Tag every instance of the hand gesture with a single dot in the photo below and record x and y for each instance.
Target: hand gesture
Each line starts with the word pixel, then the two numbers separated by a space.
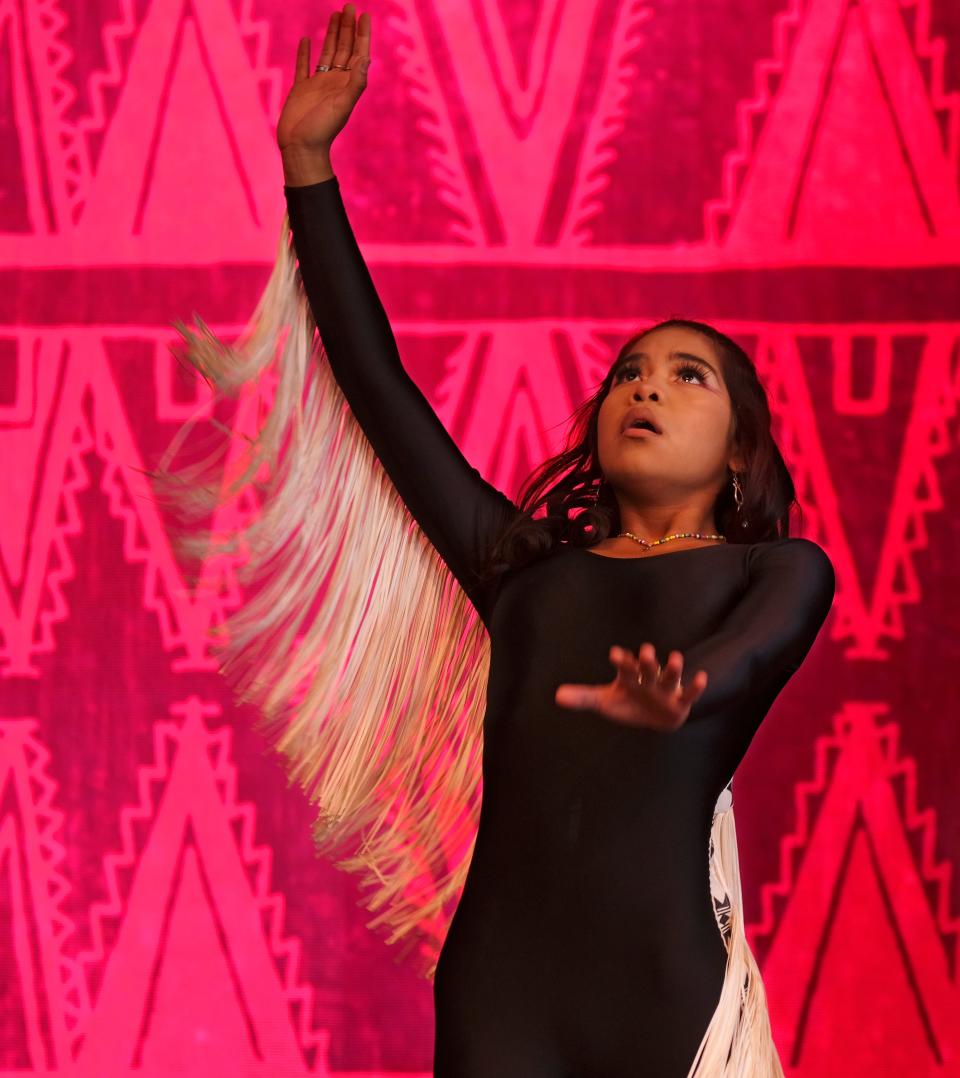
pixel 319 103
pixel 641 694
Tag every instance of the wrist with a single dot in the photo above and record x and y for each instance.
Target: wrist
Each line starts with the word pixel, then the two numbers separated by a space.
pixel 303 165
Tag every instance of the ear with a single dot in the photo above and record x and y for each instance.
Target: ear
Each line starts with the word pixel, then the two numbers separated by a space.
pixel 735 461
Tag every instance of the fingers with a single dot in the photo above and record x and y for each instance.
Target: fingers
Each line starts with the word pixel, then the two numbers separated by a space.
pixel 360 60
pixel 302 70
pixel 628 668
pixel 361 44
pixel 645 671
pixel 670 679
pixel 348 25
pixel 694 688
pixel 329 47
pixel 649 667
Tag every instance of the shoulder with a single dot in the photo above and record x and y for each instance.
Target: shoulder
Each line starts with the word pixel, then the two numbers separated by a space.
pixel 798 561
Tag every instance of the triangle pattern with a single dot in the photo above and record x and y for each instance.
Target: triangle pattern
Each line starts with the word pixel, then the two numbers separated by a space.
pixel 875 588
pixel 179 157
pixel 520 25
pixel 194 958
pixel 827 879
pixel 189 59
pixel 864 996
pixel 521 71
pixel 194 873
pixel 888 208
pixel 72 406
pixel 47 984
pixel 25 1041
pixel 46 165
pixel 528 399
pixel 850 65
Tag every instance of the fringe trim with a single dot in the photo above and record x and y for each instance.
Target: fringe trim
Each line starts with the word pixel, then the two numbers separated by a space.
pixel 738 1042
pixel 364 656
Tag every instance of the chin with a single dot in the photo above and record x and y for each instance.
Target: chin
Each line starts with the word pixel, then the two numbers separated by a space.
pixel 629 480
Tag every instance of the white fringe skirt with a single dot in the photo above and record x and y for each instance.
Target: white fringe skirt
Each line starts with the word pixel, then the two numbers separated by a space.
pixel 738 1042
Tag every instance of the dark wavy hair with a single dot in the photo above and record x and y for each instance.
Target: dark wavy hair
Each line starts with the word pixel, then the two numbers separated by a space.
pixel 565 499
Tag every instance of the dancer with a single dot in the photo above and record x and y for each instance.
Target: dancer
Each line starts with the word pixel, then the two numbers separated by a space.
pixel 460 634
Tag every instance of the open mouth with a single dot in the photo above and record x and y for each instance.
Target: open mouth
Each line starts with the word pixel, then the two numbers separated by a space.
pixel 640 428
pixel 639 420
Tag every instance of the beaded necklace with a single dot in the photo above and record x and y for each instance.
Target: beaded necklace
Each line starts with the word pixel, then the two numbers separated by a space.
pixel 667 538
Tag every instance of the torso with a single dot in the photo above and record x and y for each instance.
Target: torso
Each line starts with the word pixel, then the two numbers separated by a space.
pixel 591 860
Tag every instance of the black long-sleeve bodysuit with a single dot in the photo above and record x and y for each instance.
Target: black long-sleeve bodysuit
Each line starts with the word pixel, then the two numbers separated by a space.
pixel 585 943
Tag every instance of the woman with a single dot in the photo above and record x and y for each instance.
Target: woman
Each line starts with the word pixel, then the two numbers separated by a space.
pixel 599 931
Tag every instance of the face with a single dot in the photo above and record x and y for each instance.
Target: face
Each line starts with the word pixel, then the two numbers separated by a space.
pixel 676 375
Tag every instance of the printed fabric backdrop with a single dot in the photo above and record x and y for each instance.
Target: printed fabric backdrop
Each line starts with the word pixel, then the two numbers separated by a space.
pixel 531 181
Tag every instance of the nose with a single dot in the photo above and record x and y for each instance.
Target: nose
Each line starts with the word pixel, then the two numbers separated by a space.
pixel 638 395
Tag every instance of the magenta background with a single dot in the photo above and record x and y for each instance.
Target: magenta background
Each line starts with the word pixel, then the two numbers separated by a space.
pixel 789 170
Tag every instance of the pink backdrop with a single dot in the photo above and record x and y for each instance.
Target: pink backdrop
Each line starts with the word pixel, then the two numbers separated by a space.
pixel 530 180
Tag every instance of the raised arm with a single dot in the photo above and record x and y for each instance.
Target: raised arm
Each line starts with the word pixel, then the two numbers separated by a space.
pixel 459 511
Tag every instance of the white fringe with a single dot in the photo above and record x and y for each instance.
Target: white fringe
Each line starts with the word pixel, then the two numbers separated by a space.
pixel 375 693
pixel 738 1042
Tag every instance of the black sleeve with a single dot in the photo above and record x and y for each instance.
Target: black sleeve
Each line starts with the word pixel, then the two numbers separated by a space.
pixel 458 510
pixel 768 634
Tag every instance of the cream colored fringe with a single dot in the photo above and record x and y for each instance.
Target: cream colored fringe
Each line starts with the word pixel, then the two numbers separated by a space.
pixel 375 693
pixel 361 651
pixel 738 1042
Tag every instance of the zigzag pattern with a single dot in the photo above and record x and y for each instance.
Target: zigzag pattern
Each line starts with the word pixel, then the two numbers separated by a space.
pixel 450 181
pixel 62 567
pixel 112 78
pixel 137 548
pixel 934 50
pixel 104 428
pixel 257 33
pixel 923 822
pixel 749 112
pixel 272 906
pixel 65 138
pixel 49 820
pixel 924 497
pixel 142 813
pixel 600 149
pixel 793 844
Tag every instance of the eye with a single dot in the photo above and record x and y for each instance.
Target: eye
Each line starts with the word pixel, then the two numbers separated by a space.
pixel 693 368
pixel 682 370
pixel 621 375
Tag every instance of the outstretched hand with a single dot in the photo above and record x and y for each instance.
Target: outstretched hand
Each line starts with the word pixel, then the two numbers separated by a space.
pixel 659 701
pixel 320 102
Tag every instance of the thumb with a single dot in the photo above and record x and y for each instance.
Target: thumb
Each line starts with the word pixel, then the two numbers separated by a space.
pixel 582 696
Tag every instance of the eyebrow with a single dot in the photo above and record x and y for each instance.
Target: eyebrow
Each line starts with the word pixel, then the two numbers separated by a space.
pixel 673 355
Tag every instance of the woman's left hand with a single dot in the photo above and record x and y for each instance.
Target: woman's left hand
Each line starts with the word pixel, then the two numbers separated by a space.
pixel 658 701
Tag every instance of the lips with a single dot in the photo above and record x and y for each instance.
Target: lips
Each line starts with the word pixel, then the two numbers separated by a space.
pixel 638 415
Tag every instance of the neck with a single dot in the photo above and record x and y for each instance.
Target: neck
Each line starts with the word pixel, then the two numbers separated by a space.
pixel 657 523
